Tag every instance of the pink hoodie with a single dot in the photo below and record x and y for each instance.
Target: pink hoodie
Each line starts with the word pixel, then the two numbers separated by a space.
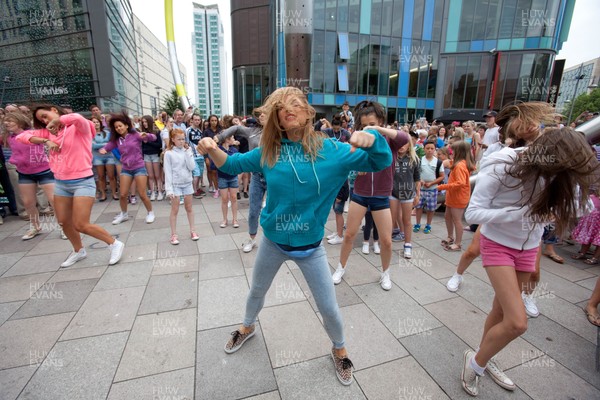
pixel 74 160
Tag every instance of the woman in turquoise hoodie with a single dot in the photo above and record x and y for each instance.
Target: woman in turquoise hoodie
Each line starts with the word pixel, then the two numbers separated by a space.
pixel 304 171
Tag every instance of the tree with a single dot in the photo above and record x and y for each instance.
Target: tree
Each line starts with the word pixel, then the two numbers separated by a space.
pixel 585 102
pixel 171 103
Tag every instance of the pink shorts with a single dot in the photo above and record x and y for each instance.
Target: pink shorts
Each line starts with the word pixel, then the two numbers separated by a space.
pixel 494 255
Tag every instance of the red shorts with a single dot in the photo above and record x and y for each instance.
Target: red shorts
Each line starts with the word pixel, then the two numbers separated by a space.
pixel 495 255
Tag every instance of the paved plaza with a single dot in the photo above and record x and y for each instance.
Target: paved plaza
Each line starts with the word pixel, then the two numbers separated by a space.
pixel 154 325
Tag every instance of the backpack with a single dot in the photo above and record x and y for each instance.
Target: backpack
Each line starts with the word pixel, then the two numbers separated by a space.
pixel 438 167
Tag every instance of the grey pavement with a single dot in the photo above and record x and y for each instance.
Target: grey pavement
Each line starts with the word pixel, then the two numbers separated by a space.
pixel 154 325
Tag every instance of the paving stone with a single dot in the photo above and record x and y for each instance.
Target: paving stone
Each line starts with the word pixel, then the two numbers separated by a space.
pixel 13 380
pixel 343 292
pixel 430 263
pixel 441 355
pixel 170 292
pixel 14 244
pixel 570 274
pixel 175 265
pixel 284 288
pixel 247 372
pixel 170 385
pixel 476 292
pixel 467 321
pixel 50 246
pixel 555 285
pixel 359 272
pixel 418 285
pixel 266 396
pixel 77 369
pixel 56 298
pixel 186 247
pixel 319 376
pixel 143 252
pixel 159 343
pixel 21 342
pixel 399 379
pixel 398 311
pixel 8 309
pixel 9 259
pixel 293 334
pixel 21 287
pixel 106 311
pixel 36 264
pixel 137 238
pixel 249 258
pixel 589 283
pixel 126 275
pixel 220 265
pixel 139 224
pixel 567 314
pixel 216 244
pixel 221 302
pixel 368 341
pixel 77 274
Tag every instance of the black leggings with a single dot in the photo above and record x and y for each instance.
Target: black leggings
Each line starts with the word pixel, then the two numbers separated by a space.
pixel 369 224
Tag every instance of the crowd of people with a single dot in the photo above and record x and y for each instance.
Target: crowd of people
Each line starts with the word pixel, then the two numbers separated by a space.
pixel 536 184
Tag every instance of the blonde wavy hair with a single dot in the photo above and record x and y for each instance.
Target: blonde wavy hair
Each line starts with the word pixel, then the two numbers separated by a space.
pixel 519 117
pixel 273 132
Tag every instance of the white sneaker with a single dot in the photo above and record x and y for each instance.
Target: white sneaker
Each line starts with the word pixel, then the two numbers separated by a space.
pixel 337 275
pixel 365 248
pixel 336 240
pixel 160 196
pixel 385 281
pixel 63 236
pixel 346 206
pixel 122 216
pixel 150 217
pixel 407 250
pixel 331 236
pixel 454 282
pixel 180 200
pixel 116 251
pixel 153 196
pixel 30 234
pixel 469 378
pixel 499 376
pixel 248 245
pixel 376 248
pixel 229 204
pixel 74 257
pixel 530 307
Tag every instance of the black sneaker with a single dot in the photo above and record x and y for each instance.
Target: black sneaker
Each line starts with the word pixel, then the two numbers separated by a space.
pixel 239 196
pixel 237 339
pixel 245 195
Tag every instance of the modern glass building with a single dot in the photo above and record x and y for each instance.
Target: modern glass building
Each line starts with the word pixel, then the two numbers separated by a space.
pixel 210 62
pixel 417 57
pixel 75 52
pixel 578 80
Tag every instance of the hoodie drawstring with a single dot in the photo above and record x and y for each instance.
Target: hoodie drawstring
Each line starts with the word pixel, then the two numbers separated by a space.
pixel 296 172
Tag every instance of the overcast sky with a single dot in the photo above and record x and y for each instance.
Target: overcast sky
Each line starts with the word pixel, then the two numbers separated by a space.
pixel 582 45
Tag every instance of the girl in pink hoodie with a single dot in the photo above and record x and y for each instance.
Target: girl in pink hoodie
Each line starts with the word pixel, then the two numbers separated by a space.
pixel 68 139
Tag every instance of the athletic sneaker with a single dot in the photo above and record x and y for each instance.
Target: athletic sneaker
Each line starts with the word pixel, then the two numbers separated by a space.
pixel 365 248
pixel 337 275
pixel 199 194
pixel 133 200
pixel 248 245
pixel 336 240
pixel 376 248
pixel 385 281
pixel 454 282
pixel 331 236
pixel 74 257
pixel 416 227
pixel 398 237
pixel 530 306
pixel 150 217
pixel 239 196
pixel 30 234
pixel 468 376
pixel 122 216
pixel 237 339
pixel 180 200
pixel 343 368
pixel 62 235
pixel 408 250
pixel 160 196
pixel 427 229
pixel 174 240
pixel 499 376
pixel 216 194
pixel 194 236
pixel 116 251
pixel 153 196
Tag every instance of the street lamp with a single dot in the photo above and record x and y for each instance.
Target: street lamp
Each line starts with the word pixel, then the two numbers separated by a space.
pixel 4 82
pixel 243 73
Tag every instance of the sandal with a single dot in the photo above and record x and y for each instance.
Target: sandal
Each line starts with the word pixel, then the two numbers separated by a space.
pixel 448 241
pixel 591 261
pixel 578 256
pixel 556 258
pixel 453 247
pixel 592 319
pixel 235 224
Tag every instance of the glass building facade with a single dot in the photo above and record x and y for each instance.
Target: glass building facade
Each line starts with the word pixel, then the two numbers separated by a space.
pixel 418 57
pixel 75 52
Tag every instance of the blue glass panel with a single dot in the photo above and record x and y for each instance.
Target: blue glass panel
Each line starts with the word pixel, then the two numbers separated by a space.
pixel 339 99
pixel 477 45
pixel 532 43
pixel 430 104
pixel 402 102
pixel 489 45
pixel 343 46
pixel 409 10
pixel 420 103
pixel 428 20
pixel 317 98
pixel 342 75
pixel 365 17
pixel 392 102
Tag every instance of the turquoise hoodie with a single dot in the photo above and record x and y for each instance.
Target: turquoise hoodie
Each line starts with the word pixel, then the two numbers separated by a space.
pixel 300 193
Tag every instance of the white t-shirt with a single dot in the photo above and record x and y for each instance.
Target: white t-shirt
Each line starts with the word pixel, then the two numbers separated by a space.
pixel 428 171
pixel 491 136
pixel 164 135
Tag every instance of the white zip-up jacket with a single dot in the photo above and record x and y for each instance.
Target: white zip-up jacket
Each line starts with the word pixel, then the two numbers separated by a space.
pixel 178 165
pixel 496 204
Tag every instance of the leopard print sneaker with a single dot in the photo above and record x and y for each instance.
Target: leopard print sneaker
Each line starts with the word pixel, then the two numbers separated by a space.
pixel 343 368
pixel 237 339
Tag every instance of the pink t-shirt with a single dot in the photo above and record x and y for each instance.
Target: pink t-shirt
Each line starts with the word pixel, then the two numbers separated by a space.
pixel 73 160
pixel 29 159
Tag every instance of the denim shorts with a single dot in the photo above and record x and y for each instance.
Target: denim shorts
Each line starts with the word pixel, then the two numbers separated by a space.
pixel 338 206
pixel 153 158
pixel 41 178
pixel 84 187
pixel 374 203
pixel 199 170
pixel 183 190
pixel 107 159
pixel 136 172
pixel 225 183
